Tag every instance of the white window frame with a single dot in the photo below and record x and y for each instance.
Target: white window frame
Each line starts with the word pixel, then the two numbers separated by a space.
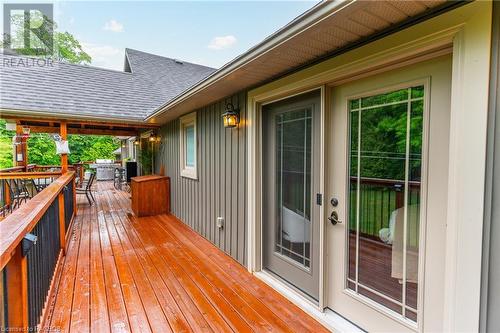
pixel 188 171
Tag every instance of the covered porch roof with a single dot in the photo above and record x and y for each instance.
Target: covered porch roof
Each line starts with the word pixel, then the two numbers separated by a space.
pixel 78 126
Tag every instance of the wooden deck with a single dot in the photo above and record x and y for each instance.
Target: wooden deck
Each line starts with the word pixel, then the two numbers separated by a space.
pixel 127 274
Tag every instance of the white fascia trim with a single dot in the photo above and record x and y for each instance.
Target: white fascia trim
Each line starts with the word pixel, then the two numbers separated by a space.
pixel 310 18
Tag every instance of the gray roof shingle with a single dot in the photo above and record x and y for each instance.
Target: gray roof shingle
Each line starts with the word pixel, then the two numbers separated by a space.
pixel 147 82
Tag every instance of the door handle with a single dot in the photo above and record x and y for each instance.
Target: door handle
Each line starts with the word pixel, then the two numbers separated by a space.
pixel 334 218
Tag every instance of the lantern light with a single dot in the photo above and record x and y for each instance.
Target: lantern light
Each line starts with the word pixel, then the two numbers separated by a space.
pixel 231 117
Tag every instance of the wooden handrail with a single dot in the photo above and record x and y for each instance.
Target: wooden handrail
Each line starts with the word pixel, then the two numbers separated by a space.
pixel 29 175
pixel 15 226
pixel 381 181
pixel 13 169
pixel 47 166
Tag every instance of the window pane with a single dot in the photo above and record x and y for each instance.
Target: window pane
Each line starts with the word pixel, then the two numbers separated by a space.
pixel 384 198
pixel 190 146
pixel 293 183
pixel 391 97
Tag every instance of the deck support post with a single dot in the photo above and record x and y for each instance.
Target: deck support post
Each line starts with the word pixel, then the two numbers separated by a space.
pixel 17 290
pixel 21 148
pixel 74 194
pixel 64 157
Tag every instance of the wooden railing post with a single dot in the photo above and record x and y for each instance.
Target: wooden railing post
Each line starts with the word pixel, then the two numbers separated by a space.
pixel 6 192
pixel 17 290
pixel 62 221
pixel 74 197
pixel 64 157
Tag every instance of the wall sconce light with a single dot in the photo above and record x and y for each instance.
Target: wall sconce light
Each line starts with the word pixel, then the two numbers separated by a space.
pixel 136 142
pixel 154 138
pixel 231 116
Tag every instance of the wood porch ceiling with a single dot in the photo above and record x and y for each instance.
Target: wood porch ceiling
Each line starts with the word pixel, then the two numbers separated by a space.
pixel 155 274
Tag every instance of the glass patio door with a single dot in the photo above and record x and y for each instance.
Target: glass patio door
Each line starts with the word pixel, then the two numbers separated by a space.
pixel 290 160
pixel 378 173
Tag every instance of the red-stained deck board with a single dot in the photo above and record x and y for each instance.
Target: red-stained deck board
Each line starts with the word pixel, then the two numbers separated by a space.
pixel 128 274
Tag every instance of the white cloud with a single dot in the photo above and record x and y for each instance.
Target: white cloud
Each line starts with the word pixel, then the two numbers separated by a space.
pixel 105 55
pixel 222 42
pixel 113 25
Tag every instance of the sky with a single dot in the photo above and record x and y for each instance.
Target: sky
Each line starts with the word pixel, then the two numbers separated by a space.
pixel 205 32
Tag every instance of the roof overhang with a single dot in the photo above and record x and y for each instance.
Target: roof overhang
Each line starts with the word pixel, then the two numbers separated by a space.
pixel 23 113
pixel 327 29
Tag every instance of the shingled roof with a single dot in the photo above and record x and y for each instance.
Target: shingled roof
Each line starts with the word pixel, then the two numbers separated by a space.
pixel 67 89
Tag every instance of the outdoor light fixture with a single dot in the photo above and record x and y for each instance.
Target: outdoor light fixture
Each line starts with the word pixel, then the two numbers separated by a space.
pixel 26 131
pixel 154 138
pixel 27 243
pixel 136 142
pixel 231 116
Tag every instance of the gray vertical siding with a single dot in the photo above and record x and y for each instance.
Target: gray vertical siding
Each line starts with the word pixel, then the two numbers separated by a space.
pixel 221 186
pixel 490 286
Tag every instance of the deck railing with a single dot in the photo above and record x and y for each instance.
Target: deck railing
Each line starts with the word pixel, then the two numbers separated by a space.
pixel 379 198
pixel 17 188
pixel 27 269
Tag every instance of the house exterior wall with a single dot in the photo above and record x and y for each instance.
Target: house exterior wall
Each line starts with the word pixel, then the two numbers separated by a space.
pixel 220 190
pixel 490 295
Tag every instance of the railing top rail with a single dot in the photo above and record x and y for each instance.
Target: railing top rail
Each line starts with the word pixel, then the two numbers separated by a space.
pixel 47 166
pixel 13 169
pixel 15 226
pixel 29 175
pixel 381 181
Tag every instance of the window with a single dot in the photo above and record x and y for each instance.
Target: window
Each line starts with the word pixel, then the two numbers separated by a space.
pixel 131 149
pixel 188 146
pixel 385 181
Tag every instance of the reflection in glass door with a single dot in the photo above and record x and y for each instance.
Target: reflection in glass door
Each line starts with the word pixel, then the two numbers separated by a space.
pixel 384 198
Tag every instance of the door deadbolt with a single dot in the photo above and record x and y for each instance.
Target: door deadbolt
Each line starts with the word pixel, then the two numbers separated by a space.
pixel 334 202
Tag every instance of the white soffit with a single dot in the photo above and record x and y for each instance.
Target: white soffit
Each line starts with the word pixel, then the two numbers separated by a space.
pixel 320 31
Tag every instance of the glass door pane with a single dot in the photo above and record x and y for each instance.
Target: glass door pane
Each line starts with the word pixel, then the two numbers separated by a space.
pixel 293 184
pixel 384 198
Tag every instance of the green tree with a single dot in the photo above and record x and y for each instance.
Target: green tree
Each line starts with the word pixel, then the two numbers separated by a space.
pixel 66 47
pixel 5 146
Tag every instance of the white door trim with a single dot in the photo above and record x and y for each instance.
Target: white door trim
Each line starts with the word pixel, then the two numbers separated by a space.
pixel 467 160
pixel 468 30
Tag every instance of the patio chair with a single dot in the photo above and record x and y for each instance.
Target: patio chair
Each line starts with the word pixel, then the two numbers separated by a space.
pixel 18 193
pixel 86 189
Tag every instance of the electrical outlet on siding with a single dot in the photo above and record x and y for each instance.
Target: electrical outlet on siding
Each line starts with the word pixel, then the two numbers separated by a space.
pixel 220 222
